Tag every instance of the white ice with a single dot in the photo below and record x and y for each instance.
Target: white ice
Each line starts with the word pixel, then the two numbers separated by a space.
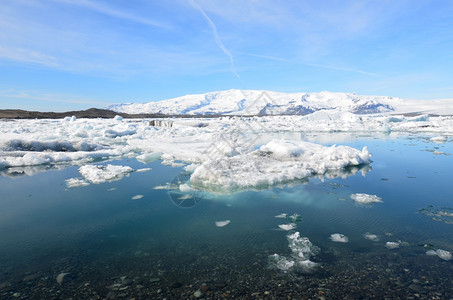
pixel 392 245
pixel 365 198
pixel 443 254
pixel 371 237
pixel 222 223
pixel 289 226
pixel 137 197
pixel 225 154
pixel 339 238
pixel 302 250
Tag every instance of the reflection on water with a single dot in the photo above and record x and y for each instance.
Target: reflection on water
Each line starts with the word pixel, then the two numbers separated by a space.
pixel 301 239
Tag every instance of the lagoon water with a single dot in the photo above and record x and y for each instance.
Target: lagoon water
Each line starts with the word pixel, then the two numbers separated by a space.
pixel 114 245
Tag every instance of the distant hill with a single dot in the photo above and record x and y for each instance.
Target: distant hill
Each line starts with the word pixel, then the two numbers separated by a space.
pixel 89 113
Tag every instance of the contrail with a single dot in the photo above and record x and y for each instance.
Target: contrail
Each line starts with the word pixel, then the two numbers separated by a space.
pixel 217 39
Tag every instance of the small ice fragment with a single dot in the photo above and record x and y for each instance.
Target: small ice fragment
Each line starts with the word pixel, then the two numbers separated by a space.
pixel 431 253
pixel 445 255
pixel 280 262
pixel 111 189
pixel 185 197
pixel 118 118
pixel 438 139
pixel 365 198
pixel 371 237
pixel 222 223
pixel 339 238
pixel 136 197
pixel 392 245
pixel 76 182
pixel 185 188
pixel 281 216
pixel 290 226
pixel 144 170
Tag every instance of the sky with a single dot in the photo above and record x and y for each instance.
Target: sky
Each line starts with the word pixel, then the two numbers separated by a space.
pixel 60 55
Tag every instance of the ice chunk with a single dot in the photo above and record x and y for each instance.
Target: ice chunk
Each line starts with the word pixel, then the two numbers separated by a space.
pixel 282 216
pixel 371 237
pixel 185 188
pixel 365 198
pixel 301 252
pixel 438 139
pixel 280 262
pixel 100 173
pixel 290 226
pixel 274 163
pixel 431 253
pixel 136 197
pixel 76 182
pixel 392 245
pixel 445 255
pixel 339 238
pixel 222 223
pixel 143 170
pixel 118 118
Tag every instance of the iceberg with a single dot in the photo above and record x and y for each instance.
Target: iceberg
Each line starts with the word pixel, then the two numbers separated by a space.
pixel 279 161
pixel 339 238
pixel 365 198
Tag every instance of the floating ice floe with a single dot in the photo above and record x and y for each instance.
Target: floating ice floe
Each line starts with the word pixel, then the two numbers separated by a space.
pixel 443 254
pixel 99 174
pixel 276 162
pixel 281 216
pixel 222 223
pixel 438 139
pixel 371 237
pixel 290 226
pixel 76 182
pixel 136 197
pixel 365 198
pixel 103 173
pixel 224 154
pixel 392 245
pixel 339 238
pixel 143 170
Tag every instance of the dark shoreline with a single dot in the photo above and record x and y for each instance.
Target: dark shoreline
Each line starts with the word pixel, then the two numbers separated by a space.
pixel 89 113
pixel 94 113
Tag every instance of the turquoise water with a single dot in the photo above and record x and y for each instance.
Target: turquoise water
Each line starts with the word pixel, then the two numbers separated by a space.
pixel 156 247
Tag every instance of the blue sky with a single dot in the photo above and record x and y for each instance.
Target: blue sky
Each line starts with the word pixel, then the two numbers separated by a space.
pixel 74 54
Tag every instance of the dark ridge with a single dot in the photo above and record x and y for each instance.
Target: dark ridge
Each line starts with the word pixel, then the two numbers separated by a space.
pixel 89 113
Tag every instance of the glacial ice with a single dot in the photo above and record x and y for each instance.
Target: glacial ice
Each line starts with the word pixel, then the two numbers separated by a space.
pixel 392 245
pixel 443 254
pixel 222 223
pixel 371 237
pixel 339 238
pixel 365 198
pixel 225 154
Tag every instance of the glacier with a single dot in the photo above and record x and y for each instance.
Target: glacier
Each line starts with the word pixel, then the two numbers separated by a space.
pixel 262 102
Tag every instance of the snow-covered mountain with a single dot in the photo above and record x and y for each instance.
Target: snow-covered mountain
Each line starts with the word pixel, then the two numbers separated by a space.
pixel 258 102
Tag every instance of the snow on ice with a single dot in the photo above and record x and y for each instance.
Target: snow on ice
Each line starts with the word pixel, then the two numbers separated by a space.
pixel 225 154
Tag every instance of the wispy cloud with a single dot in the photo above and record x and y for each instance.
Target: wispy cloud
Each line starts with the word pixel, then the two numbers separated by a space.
pixel 323 66
pixel 110 11
pixel 28 56
pixel 216 36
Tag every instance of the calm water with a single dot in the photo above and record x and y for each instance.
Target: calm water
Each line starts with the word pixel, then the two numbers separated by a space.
pixel 160 247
